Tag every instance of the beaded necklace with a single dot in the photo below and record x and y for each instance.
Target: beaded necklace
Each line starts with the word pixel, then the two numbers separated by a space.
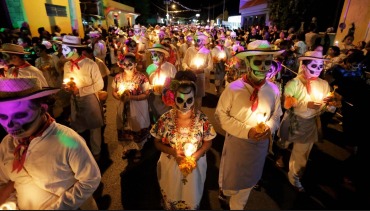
pixel 178 134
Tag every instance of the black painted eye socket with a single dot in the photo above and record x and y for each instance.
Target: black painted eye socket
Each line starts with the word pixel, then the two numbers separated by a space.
pixel 259 62
pixel 179 100
pixel 126 64
pixel 190 100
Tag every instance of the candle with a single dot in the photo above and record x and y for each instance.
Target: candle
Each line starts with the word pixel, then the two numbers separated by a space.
pixel 8 206
pixel 198 62
pixel 336 43
pixel 121 88
pixel 261 120
pixel 158 83
pixel 189 149
pixel 317 96
pixel 222 55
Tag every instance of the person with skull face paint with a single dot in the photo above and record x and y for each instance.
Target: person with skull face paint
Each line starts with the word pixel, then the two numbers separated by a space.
pixel 14 55
pixel 50 164
pixel 182 126
pixel 158 72
pixel 86 110
pixel 239 108
pixel 142 45
pixel 199 60
pixel 131 88
pixel 305 97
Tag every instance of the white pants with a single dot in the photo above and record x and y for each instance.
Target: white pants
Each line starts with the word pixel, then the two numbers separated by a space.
pixel 298 160
pixel 238 198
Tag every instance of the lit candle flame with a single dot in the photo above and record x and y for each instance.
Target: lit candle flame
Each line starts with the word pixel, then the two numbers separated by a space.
pixel 222 55
pixel 121 88
pixel 8 206
pixel 318 96
pixel 198 62
pixel 189 149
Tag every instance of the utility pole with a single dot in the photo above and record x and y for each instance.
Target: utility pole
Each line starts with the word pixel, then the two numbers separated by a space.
pixel 166 2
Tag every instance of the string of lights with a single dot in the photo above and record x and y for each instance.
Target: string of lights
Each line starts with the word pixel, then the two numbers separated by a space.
pixel 187 8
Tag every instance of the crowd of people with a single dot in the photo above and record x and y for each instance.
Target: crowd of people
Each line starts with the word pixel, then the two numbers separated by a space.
pixel 273 87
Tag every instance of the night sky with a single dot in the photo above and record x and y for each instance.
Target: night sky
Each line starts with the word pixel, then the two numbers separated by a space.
pixel 207 7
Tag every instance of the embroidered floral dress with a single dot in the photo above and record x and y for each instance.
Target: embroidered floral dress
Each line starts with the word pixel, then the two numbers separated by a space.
pixel 177 194
pixel 133 116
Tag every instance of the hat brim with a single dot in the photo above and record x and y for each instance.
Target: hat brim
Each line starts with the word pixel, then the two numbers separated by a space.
pixel 74 45
pixel 159 50
pixel 243 54
pixel 41 93
pixel 311 58
pixel 14 52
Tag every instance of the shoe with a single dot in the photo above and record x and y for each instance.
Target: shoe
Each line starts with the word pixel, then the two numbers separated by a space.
pixel 296 183
pixel 222 197
pixel 279 162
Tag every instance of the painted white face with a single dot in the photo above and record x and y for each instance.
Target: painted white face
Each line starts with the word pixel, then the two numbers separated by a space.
pixel 314 69
pixel 127 65
pixel 137 32
pixel 19 118
pixel 157 57
pixel 67 51
pixel 260 66
pixel 184 100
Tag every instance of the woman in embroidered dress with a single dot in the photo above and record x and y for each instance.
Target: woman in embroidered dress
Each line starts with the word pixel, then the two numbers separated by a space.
pixel 174 132
pixel 131 88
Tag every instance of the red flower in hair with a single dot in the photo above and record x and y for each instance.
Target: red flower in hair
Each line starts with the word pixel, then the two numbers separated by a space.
pixel 168 97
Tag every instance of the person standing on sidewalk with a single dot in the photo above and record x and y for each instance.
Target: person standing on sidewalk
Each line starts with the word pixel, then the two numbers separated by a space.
pixel 249 111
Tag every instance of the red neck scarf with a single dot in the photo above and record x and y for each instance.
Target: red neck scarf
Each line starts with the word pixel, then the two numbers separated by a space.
pixel 21 149
pixel 254 95
pixel 16 69
pixel 308 83
pixel 75 62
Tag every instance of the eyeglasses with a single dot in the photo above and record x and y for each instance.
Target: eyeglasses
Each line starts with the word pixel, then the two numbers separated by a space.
pixel 259 62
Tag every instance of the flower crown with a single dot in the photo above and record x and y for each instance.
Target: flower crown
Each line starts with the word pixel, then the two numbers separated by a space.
pixel 170 87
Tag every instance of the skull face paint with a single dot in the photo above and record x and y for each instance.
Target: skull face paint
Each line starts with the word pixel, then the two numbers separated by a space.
pixel 20 119
pixel 184 99
pixel 157 57
pixel 67 51
pixel 314 68
pixel 127 64
pixel 260 66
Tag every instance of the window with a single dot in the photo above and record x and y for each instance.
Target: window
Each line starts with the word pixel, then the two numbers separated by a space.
pixel 56 10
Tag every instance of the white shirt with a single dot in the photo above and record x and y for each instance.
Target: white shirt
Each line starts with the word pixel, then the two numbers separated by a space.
pixel 88 78
pixel 104 71
pixel 234 113
pixel 59 171
pixel 30 71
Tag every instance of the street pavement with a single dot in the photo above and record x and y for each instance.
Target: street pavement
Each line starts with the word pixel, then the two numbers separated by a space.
pixel 132 186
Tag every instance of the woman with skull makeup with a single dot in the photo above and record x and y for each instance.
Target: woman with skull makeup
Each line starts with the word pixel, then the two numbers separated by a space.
pixel 50 165
pixel 131 46
pixel 246 104
pixel 198 59
pixel 305 98
pixel 158 72
pixel 131 88
pixel 180 127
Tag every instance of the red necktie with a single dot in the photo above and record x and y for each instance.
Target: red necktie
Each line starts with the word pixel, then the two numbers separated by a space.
pixel 16 69
pixel 254 95
pixel 75 62
pixel 21 149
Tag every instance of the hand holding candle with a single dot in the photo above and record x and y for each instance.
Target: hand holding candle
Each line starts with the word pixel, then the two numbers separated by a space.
pixel 198 62
pixel 261 126
pixel 70 85
pixel 188 164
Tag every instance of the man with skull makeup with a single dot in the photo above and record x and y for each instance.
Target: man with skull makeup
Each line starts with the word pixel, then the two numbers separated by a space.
pixel 158 73
pixel 220 55
pixel 50 164
pixel 174 132
pixel 14 55
pixel 86 110
pixel 199 60
pixel 131 88
pixel 305 97
pixel 243 106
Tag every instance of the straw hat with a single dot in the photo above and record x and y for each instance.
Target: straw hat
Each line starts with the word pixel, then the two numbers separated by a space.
pixel 159 48
pixel 312 55
pixel 72 41
pixel 13 49
pixel 259 47
pixel 17 89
